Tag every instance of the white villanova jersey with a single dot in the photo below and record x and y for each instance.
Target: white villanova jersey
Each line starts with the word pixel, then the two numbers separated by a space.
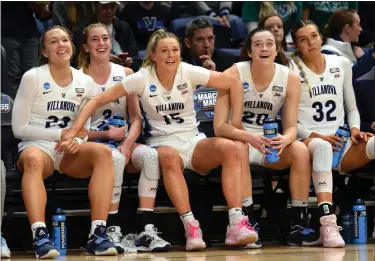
pixel 259 106
pixel 322 109
pixel 170 112
pixel 116 107
pixel 56 107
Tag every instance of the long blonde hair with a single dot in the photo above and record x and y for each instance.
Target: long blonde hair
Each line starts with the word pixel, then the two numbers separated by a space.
pixel 84 57
pixel 151 45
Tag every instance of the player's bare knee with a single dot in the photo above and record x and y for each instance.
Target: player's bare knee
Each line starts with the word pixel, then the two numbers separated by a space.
pixel 101 153
pixel 229 150
pixel 299 152
pixel 168 158
pixel 32 160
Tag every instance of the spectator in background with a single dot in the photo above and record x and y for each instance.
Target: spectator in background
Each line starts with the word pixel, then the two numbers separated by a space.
pixel 341 35
pixel 365 96
pixel 289 11
pixel 5 252
pixel 321 11
pixel 19 37
pixel 200 47
pixel 124 47
pixel 71 14
pixel 145 18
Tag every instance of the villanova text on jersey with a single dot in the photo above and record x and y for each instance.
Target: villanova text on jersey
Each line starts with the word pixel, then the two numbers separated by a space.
pixel 61 106
pixel 259 105
pixel 175 106
pixel 322 89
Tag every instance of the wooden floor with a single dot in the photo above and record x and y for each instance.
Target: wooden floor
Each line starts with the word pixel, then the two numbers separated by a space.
pixel 266 253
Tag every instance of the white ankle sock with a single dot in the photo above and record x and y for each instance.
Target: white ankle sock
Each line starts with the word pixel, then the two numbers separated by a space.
pixel 247 202
pixel 35 225
pixel 234 213
pixel 96 223
pixel 187 217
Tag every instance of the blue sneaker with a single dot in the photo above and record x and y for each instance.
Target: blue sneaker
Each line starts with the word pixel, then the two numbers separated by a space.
pixel 99 244
pixel 44 247
pixel 258 243
pixel 5 252
pixel 302 236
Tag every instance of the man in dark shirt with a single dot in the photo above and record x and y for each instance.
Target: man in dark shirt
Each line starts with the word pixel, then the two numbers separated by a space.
pixel 124 48
pixel 145 18
pixel 200 47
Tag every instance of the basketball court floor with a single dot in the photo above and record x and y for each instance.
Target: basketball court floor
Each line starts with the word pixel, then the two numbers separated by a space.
pixel 268 252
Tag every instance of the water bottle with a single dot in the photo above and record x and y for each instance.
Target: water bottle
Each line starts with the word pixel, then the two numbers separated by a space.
pixel 59 234
pixel 347 227
pixel 344 133
pixel 360 222
pixel 270 129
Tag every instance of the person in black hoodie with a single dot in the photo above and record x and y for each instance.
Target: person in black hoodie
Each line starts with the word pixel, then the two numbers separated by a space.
pixel 145 18
pixel 200 47
pixel 124 47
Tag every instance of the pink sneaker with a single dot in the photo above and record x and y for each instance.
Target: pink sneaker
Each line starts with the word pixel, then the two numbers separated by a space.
pixel 193 234
pixel 241 233
pixel 330 232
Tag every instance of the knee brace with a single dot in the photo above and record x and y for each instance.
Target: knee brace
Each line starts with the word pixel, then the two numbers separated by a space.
pixel 119 165
pixel 146 159
pixel 322 154
pixel 370 148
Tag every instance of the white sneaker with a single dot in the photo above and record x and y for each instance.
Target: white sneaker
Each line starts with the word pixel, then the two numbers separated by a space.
pixel 5 251
pixel 115 236
pixel 149 241
pixel 330 232
pixel 129 243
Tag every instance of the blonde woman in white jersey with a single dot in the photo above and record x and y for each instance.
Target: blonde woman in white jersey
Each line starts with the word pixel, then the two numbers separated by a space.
pixel 268 88
pixel 47 103
pixel 326 95
pixel 94 61
pixel 165 86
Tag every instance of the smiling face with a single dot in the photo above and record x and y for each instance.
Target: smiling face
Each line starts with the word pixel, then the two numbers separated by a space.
pixel 308 40
pixel 57 46
pixel 98 43
pixel 275 24
pixel 262 48
pixel 167 54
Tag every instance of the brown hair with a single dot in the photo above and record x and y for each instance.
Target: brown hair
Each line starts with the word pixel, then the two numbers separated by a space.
pixel 152 42
pixel 337 22
pixel 300 24
pixel 262 23
pixel 84 57
pixel 246 48
pixel 44 60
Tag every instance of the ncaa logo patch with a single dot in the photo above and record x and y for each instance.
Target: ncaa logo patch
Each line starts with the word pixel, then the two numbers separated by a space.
pixel 245 85
pixel 152 88
pixel 117 78
pixel 5 103
pixel 47 85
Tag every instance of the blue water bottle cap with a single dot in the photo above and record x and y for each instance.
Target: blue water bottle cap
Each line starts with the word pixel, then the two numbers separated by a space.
pixel 58 210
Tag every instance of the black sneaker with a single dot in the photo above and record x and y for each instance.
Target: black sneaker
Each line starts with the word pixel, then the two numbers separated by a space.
pixel 99 244
pixel 300 235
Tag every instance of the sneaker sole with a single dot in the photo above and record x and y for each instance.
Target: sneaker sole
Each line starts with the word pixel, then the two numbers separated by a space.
pixel 156 249
pixel 249 239
pixel 109 252
pixel 50 254
pixel 196 247
pixel 252 246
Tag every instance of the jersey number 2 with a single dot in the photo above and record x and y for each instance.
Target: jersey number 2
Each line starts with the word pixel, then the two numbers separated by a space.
pixel 173 116
pixel 318 106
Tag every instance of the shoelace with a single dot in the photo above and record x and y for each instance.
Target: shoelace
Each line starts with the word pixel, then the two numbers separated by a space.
pixel 334 231
pixel 129 241
pixel 194 231
pixel 154 234
pixel 102 236
pixel 245 224
pixel 115 236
